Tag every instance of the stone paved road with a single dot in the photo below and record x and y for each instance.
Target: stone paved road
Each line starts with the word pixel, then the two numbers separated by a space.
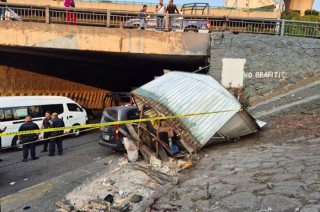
pixel 277 169
pixel 250 178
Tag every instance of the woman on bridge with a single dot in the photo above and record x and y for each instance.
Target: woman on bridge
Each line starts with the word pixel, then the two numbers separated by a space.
pixel 69 13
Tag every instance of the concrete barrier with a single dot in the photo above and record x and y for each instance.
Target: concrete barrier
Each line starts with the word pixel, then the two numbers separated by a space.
pixel 27 34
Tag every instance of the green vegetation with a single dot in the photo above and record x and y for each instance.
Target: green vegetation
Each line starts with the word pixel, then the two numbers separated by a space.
pixel 302 29
pixel 311 15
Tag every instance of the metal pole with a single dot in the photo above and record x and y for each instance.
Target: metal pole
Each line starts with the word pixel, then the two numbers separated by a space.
pixel 283 23
pixel 47 14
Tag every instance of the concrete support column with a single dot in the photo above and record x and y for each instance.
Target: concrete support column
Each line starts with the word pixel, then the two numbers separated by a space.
pixel 167 27
pixel 108 18
pixel 47 14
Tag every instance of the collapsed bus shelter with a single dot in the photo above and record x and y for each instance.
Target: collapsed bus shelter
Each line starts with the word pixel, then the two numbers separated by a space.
pixel 208 112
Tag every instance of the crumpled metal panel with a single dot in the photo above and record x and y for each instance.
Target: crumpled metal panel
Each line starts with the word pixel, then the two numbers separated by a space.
pixel 178 93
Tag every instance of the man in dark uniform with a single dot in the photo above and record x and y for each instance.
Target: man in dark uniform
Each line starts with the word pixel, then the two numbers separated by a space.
pixel 56 122
pixel 46 123
pixel 28 138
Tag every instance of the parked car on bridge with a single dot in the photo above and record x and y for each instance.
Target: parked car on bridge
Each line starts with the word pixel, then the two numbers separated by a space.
pixel 180 23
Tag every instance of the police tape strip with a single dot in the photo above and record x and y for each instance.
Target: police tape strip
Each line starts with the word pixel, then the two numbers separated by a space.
pixel 45 139
pixel 112 123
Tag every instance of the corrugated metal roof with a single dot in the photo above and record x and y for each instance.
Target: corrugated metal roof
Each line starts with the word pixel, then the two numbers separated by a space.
pixel 178 93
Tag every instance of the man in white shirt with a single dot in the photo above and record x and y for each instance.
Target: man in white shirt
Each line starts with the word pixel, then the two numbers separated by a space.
pixel 160 9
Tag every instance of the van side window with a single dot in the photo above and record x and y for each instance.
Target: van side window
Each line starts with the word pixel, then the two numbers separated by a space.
pixel 8 114
pixel 19 112
pixel 56 108
pixel 1 115
pixel 74 107
pixel 34 111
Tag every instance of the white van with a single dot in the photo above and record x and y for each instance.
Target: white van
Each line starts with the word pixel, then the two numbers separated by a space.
pixel 13 110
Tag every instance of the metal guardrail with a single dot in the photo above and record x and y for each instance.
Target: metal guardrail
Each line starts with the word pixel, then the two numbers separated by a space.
pixel 129 19
pixel 178 5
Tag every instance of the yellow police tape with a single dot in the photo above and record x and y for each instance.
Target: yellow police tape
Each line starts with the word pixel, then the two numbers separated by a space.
pixel 49 138
pixel 112 123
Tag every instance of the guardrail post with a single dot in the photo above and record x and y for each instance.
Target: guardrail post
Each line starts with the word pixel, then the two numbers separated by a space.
pixel 108 18
pixel 47 14
pixel 167 27
pixel 283 23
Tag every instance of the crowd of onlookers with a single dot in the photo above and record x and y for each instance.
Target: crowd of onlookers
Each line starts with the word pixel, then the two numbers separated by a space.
pixel 160 9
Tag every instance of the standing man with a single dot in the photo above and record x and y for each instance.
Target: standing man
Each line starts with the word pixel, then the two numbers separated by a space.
pixel 142 16
pixel 46 123
pixel 172 8
pixel 56 122
pixel 160 8
pixel 28 140
pixel 1 131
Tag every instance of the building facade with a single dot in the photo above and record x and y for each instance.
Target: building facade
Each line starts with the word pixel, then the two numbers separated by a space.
pixel 299 5
pixel 249 3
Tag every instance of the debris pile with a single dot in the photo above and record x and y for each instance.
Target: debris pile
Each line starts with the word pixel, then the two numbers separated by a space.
pixel 197 111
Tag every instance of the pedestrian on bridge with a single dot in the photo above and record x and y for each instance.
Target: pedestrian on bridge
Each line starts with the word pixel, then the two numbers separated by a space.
pixel 56 135
pixel 160 9
pixel 143 16
pixel 28 140
pixel 70 14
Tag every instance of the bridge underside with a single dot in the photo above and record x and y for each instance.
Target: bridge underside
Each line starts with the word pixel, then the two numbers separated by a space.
pixel 109 71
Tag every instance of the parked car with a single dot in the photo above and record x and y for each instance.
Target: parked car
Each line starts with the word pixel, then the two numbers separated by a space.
pixel 110 135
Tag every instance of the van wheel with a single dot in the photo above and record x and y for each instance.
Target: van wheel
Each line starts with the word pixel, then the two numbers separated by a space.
pixel 14 143
pixel 75 132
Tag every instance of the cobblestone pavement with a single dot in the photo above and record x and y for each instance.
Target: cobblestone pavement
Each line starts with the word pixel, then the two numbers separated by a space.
pixel 277 169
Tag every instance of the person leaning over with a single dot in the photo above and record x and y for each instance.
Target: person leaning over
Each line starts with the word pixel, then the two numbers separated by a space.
pixel 56 135
pixel 28 140
pixel 46 123
pixel 142 17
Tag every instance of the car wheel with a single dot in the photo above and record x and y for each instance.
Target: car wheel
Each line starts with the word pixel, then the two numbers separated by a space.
pixel 74 132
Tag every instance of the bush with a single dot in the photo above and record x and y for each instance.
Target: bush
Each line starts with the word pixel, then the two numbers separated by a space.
pixel 311 12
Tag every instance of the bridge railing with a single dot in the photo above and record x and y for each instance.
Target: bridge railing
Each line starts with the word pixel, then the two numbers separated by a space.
pixel 130 19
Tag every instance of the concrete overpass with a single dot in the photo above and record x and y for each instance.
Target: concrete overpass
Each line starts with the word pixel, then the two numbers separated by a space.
pixel 86 62
pixel 27 34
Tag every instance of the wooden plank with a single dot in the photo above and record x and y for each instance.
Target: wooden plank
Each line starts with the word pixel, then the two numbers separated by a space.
pixel 142 147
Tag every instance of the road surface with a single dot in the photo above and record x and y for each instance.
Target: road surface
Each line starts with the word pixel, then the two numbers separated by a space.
pixel 78 152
